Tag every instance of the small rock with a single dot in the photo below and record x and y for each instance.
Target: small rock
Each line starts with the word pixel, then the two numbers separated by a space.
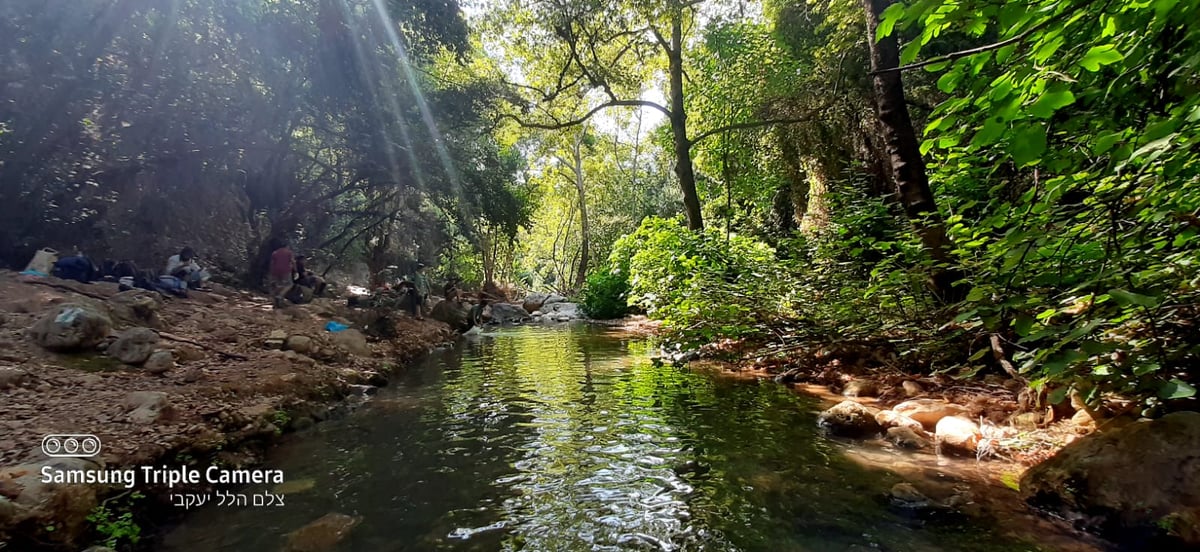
pixel 159 363
pixel 888 418
pixel 185 354
pixel 321 535
pixel 1026 421
pixel 137 307
pixel 929 411
pixel 352 341
pixel 912 388
pixel 300 343
pixel 277 334
pixel 146 407
pixel 958 434
pixel 134 345
pixel 192 374
pixel 849 418
pixel 907 496
pixel 861 388
pixel 11 376
pixel 906 437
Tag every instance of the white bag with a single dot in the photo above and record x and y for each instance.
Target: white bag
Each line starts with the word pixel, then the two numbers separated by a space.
pixel 43 261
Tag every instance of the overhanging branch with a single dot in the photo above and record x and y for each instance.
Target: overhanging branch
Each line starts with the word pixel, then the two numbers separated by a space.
pixel 744 125
pixel 557 125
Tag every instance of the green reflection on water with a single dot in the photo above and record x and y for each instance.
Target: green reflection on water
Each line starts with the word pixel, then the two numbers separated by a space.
pixel 541 440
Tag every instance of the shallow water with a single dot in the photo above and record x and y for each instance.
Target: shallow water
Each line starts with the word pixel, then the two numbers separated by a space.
pixel 572 439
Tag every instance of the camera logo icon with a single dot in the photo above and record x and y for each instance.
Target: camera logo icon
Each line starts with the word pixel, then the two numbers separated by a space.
pixel 71 446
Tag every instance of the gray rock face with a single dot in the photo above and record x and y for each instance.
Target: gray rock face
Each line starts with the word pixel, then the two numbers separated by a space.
pixel 453 313
pixel 562 311
pixel 134 345
pixel 508 313
pixel 160 362
pixel 533 302
pixel 1141 477
pixel 71 327
pixel 849 419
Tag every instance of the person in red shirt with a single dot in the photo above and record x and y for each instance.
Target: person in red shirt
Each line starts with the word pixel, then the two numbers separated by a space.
pixel 279 277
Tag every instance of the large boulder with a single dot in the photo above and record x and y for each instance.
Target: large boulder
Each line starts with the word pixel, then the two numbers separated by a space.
pixel 453 313
pixel 850 419
pixel 1137 479
pixel 929 411
pixel 71 327
pixel 134 345
pixel 562 311
pixel 534 301
pixel 28 502
pixel 507 313
pixel 135 307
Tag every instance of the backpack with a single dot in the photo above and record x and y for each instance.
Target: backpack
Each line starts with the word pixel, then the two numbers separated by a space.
pixel 78 268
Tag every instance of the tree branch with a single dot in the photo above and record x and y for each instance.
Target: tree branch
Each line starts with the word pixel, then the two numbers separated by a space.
pixel 981 49
pixel 744 125
pixel 561 125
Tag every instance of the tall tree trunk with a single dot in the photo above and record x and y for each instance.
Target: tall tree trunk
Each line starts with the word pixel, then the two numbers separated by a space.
pixel 904 152
pixel 683 146
pixel 584 228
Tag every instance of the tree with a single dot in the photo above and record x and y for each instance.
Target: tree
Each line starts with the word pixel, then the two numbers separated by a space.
pixel 904 152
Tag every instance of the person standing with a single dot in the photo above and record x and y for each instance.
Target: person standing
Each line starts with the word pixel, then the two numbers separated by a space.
pixel 421 282
pixel 279 277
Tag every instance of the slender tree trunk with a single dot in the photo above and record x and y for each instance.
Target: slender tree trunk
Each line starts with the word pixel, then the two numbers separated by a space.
pixel 683 155
pixel 584 228
pixel 904 152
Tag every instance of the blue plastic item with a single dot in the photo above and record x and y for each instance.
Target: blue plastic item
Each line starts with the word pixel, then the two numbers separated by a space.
pixel 333 326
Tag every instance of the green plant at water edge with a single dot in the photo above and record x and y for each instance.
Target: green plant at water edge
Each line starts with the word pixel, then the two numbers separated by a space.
pixel 606 294
pixel 281 419
pixel 114 524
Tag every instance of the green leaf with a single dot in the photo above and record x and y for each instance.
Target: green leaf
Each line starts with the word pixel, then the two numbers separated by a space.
pixel 1027 146
pixel 1176 389
pixel 1098 56
pixel 1051 101
pixel 1126 298
pixel 948 82
pixel 1105 142
pixel 990 133
pixel 888 19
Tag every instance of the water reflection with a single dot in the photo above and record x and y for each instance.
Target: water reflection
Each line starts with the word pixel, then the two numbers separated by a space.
pixel 548 440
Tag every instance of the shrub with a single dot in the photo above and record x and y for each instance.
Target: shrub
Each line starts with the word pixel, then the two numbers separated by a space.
pixel 606 294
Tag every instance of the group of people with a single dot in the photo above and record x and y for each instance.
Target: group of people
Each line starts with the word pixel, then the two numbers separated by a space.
pixel 289 278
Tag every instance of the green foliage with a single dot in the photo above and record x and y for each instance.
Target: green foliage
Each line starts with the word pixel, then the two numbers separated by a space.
pixel 115 523
pixel 1071 164
pixel 703 285
pixel 606 294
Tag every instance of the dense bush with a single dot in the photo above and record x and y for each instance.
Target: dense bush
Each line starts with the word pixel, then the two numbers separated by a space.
pixel 606 294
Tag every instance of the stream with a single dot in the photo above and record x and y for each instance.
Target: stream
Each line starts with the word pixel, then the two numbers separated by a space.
pixel 571 438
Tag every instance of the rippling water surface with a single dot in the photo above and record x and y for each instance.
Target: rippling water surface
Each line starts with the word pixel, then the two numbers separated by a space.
pixel 571 439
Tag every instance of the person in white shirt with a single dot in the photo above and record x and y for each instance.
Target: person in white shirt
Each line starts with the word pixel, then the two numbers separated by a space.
pixel 184 267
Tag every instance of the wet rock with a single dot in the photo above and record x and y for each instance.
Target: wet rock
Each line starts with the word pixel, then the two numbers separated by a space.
pixel 508 313
pixel 134 345
pixel 353 341
pixel 562 311
pixel 912 388
pixel 321 535
pixel 135 307
pixel 300 343
pixel 888 418
pixel 929 411
pixel 65 506
pixel 11 376
pixel 907 437
pixel 1143 477
pixel 861 388
pixel 1026 421
pixel 958 434
pixel 71 327
pixel 160 362
pixel 906 495
pixel 850 419
pixel 147 407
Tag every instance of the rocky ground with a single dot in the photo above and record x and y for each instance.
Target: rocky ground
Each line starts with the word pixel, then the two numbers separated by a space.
pixel 208 378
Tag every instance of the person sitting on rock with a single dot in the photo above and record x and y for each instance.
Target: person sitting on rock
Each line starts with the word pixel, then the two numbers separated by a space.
pixel 306 278
pixel 475 316
pixel 183 266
